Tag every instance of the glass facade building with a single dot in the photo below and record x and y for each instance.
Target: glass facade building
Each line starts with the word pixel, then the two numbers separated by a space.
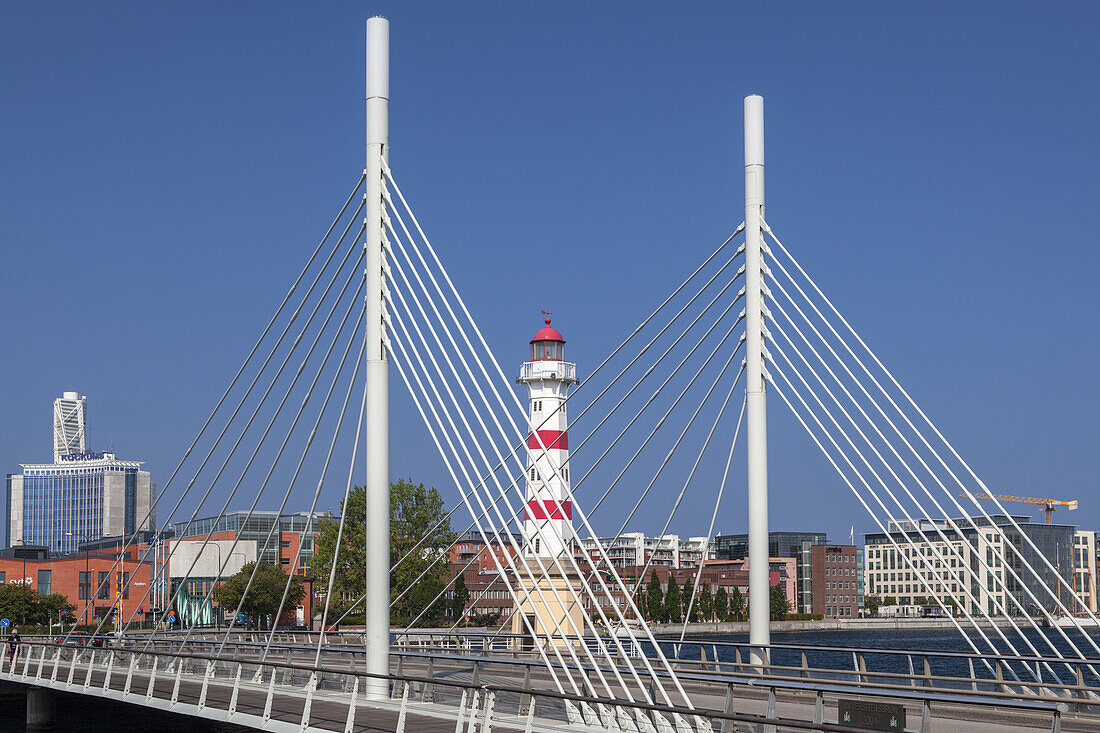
pixel 780 544
pixel 82 498
pixel 258 527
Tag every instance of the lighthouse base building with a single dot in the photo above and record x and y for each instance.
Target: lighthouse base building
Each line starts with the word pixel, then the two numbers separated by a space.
pixel 546 605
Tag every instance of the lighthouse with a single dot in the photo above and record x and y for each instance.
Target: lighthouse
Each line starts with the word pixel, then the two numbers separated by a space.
pixel 547 511
pixel 548 514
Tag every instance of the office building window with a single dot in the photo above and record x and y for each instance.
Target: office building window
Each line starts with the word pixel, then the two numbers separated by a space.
pixel 84 583
pixel 104 586
pixel 44 579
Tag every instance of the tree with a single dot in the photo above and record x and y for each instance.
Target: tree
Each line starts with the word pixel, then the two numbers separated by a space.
pixel 889 601
pixel 264 595
pixel 705 603
pixel 655 599
pixel 19 601
pixel 685 596
pixel 415 511
pixel 673 612
pixel 737 603
pixel 461 597
pixel 779 604
pixel 639 601
pixel 871 603
pixel 721 603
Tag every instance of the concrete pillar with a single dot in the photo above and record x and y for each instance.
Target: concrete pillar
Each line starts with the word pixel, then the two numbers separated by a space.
pixel 41 709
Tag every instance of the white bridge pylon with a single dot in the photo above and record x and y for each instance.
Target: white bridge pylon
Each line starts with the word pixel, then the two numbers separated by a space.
pixel 658 418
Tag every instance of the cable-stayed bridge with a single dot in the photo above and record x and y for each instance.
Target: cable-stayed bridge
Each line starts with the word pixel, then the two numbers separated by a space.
pixel 664 414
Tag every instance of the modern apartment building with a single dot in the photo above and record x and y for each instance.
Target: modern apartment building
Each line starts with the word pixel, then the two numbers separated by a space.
pixel 903 565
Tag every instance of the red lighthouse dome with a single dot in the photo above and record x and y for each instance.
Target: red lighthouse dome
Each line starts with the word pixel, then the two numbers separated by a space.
pixel 548 344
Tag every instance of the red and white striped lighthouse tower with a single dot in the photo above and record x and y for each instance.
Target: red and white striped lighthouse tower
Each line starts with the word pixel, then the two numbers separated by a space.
pixel 548 514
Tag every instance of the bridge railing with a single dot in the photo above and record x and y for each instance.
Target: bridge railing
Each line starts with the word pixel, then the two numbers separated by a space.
pixel 279 696
pixel 478 666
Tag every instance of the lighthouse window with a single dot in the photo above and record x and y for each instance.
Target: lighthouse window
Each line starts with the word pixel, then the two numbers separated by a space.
pixel 532 473
pixel 548 350
pixel 536 545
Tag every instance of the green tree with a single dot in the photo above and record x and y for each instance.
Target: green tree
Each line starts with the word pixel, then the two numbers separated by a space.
pixel 889 601
pixel 871 603
pixel 264 595
pixel 461 597
pixel 721 603
pixel 705 603
pixel 685 601
pixel 639 601
pixel 673 611
pixel 414 512
pixel 655 599
pixel 737 603
pixel 779 604
pixel 21 601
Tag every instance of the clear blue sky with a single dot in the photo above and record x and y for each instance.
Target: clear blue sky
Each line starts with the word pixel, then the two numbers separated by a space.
pixel 166 168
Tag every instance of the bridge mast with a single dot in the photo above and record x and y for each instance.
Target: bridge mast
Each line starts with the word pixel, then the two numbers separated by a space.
pixel 377 602
pixel 756 402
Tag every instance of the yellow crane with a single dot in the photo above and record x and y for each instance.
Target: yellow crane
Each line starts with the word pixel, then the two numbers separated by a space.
pixel 1048 505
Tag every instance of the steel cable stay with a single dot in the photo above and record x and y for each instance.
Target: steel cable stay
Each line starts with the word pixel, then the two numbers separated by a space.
pixel 395 263
pixel 515 429
pixel 493 531
pixel 638 329
pixel 574 452
pixel 302 332
pixel 661 422
pixel 909 518
pixel 232 384
pixel 267 478
pixel 399 354
pixel 866 506
pixel 263 437
pixel 713 517
pixel 329 588
pixel 647 373
pixel 675 445
pixel 307 530
pixel 410 343
pixel 581 515
pixel 934 523
pixel 966 514
pixel 938 434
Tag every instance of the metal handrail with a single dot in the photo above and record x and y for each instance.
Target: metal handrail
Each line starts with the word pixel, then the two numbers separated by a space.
pixel 671 710
pixel 752 677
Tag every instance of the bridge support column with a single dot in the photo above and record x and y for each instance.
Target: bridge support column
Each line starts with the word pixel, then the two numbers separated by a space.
pixel 755 396
pixel 377 453
pixel 41 709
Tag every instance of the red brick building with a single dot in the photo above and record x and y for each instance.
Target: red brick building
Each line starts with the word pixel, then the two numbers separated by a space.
pixel 78 577
pixel 834 581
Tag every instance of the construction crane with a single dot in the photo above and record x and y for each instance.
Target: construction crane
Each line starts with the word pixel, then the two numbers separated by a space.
pixel 1048 505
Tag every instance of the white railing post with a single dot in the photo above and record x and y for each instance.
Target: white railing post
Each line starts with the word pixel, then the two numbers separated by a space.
pixel 349 726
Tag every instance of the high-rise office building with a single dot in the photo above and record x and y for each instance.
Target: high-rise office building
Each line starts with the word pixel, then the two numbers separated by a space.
pixel 70 421
pixel 81 496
